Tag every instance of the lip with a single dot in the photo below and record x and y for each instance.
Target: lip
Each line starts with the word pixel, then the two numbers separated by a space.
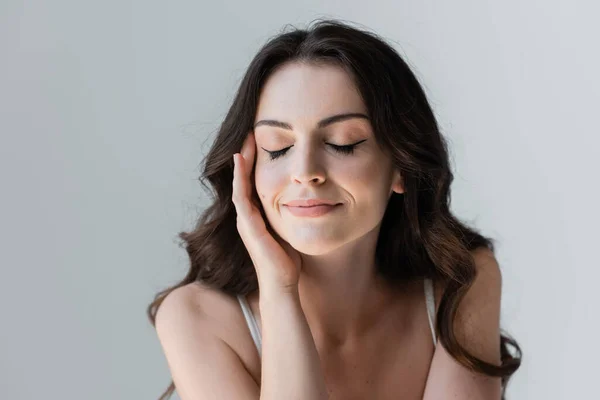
pixel 310 203
pixel 312 211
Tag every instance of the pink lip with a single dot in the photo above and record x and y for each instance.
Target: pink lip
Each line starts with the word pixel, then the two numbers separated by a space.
pixel 310 202
pixel 311 211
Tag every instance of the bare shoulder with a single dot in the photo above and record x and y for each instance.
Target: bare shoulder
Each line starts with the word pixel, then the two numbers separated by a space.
pixel 201 310
pixel 488 277
pixel 477 323
pixel 201 330
pixel 206 308
pixel 196 296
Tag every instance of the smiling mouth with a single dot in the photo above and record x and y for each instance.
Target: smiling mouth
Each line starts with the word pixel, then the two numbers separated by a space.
pixel 316 205
pixel 312 211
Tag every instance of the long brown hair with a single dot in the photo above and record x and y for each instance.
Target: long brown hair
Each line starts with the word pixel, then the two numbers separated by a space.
pixel 418 231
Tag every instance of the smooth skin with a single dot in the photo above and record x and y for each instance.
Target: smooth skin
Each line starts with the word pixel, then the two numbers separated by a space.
pixel 330 328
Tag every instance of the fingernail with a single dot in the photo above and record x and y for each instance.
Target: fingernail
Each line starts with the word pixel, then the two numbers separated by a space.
pixel 234 160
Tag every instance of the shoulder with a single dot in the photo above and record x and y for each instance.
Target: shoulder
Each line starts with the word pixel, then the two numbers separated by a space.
pixel 477 330
pixel 201 333
pixel 488 278
pixel 192 300
pixel 199 305
pixel 199 310
pixel 477 323
pixel 484 294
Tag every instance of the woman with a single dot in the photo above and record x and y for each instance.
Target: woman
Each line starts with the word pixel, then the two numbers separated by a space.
pixel 329 264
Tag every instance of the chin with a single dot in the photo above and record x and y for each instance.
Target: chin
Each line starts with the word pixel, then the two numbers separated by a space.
pixel 313 237
pixel 311 250
pixel 314 245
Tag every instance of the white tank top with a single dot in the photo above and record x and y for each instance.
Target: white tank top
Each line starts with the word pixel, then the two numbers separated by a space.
pixel 255 332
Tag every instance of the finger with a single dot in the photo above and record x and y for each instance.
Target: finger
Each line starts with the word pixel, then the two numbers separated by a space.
pixel 245 163
pixel 249 220
pixel 248 152
pixel 235 185
pixel 239 191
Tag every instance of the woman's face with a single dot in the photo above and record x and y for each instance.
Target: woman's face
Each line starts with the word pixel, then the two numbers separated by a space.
pixel 362 181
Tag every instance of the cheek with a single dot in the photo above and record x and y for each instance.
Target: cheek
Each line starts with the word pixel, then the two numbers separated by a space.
pixel 267 180
pixel 359 172
pixel 370 181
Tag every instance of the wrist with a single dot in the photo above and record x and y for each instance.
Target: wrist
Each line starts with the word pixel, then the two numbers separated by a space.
pixel 276 294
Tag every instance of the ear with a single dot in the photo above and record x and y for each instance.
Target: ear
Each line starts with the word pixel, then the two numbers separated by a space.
pixel 397 182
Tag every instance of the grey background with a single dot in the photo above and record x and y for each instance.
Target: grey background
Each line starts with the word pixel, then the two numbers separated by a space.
pixel 107 107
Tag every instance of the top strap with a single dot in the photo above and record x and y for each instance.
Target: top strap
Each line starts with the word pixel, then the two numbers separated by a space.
pixel 251 322
pixel 430 302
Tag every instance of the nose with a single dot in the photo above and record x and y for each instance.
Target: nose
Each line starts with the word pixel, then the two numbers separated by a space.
pixel 307 167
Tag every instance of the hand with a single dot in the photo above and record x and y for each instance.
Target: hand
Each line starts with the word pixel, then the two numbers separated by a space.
pixel 277 264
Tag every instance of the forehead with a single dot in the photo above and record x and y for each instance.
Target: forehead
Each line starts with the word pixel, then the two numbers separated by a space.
pixel 308 92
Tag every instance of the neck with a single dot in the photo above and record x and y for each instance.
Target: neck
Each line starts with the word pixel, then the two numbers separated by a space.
pixel 341 294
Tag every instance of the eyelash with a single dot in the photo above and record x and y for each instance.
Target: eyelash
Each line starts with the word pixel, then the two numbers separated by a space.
pixel 346 150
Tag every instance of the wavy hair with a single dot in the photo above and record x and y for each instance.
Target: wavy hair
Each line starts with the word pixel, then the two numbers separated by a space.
pixel 418 231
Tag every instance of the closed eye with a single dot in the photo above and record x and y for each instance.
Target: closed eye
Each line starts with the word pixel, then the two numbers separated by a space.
pixel 347 149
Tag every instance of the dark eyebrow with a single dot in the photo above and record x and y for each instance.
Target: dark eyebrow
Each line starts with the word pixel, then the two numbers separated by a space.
pixel 322 124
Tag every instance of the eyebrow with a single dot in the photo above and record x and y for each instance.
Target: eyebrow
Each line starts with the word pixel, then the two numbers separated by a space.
pixel 322 124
